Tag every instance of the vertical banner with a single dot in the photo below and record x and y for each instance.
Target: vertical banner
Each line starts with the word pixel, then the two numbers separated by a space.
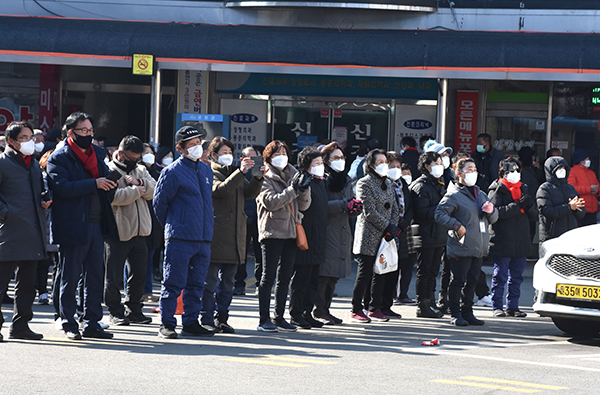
pixel 414 121
pixel 467 110
pixel 248 123
pixel 49 86
pixel 192 92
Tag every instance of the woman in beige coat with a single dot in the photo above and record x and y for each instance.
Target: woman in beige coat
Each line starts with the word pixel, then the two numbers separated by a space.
pixel 284 193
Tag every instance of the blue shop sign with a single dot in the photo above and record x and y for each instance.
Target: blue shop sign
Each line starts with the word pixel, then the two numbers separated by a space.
pixel 417 124
pixel 334 86
pixel 202 117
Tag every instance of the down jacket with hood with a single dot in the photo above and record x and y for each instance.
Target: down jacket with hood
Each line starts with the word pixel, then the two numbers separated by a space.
pixel 459 207
pixel 556 217
pixel 426 193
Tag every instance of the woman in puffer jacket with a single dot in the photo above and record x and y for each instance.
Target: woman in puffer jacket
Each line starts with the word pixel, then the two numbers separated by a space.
pixel 510 243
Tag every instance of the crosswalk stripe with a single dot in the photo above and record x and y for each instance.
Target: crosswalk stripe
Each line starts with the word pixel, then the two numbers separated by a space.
pixel 301 360
pixel 484 385
pixel 521 383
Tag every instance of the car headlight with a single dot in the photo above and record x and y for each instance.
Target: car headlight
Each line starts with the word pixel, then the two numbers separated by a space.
pixel 544 249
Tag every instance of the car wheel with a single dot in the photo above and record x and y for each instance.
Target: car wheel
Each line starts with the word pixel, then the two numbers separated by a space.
pixel 575 327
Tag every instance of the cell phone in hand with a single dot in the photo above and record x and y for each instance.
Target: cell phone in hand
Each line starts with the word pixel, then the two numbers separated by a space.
pixel 114 176
pixel 258 163
pixel 45 196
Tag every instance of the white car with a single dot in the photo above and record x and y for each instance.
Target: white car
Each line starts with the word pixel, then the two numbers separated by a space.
pixel 566 279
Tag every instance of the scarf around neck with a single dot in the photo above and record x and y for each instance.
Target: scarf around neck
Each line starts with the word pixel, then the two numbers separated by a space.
pixel 514 189
pixel 87 159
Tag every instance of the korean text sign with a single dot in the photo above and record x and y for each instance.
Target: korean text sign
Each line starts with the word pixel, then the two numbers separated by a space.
pixel 467 107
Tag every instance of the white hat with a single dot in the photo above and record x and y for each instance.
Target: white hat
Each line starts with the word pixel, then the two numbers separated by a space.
pixel 437 147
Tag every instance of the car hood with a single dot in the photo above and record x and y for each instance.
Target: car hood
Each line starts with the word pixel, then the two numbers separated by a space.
pixel 580 241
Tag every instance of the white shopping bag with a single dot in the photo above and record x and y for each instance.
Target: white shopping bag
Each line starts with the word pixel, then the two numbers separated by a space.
pixel 387 258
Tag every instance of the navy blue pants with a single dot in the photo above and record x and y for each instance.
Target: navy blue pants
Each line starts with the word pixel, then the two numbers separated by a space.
pixel 185 266
pixel 510 269
pixel 218 292
pixel 89 260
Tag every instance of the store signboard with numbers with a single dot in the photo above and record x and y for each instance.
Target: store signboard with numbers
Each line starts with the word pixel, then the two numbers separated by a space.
pixel 248 123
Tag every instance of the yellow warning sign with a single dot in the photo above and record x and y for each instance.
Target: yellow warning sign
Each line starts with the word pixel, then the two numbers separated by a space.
pixel 143 64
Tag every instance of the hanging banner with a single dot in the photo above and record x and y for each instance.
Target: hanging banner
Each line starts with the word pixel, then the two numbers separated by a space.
pixel 248 123
pixel 49 90
pixel 467 107
pixel 414 121
pixel 192 92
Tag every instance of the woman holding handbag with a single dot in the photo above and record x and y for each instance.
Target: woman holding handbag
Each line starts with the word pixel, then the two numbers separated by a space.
pixel 378 220
pixel 285 192
pixel 303 287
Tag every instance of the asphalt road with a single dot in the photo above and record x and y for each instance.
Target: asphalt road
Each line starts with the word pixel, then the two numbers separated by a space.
pixel 527 355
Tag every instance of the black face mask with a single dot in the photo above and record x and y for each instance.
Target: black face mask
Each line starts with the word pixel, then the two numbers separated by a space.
pixel 129 165
pixel 82 141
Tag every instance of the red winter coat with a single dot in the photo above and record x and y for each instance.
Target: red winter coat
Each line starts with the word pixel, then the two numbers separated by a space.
pixel 582 179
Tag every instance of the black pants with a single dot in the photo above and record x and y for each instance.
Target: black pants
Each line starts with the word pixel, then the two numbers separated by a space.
pixel 444 281
pixel 24 291
pixel 428 267
pixel 324 295
pixel 482 290
pixel 465 274
pixel 278 264
pixel 135 252
pixel 251 237
pixel 41 282
pixel 406 267
pixel 367 282
pixel 303 289
pixel 390 282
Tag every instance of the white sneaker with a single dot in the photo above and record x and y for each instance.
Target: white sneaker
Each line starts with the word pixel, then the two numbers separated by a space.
pixel 58 324
pixel 486 301
pixel 103 325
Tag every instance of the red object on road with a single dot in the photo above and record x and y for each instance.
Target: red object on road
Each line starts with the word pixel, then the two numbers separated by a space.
pixel 434 342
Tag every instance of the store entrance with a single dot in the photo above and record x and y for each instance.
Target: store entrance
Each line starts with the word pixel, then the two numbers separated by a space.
pixel 301 124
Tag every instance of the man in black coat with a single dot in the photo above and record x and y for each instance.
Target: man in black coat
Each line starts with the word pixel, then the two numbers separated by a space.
pixel 23 225
pixel 410 155
pixel 487 159
pixel 81 217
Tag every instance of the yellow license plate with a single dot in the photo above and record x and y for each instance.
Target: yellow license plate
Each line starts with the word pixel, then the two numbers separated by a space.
pixel 577 292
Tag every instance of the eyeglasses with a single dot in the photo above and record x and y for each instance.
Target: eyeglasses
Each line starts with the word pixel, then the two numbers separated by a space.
pixel 85 131
pixel 138 160
pixel 337 158
pixel 25 139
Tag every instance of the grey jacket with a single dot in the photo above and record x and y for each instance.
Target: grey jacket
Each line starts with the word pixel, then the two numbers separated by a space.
pixel 275 221
pixel 379 210
pixel 22 220
pixel 459 207
pixel 338 255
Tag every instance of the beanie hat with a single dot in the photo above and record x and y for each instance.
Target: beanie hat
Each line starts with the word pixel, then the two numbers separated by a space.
pixel 578 155
pixel 433 146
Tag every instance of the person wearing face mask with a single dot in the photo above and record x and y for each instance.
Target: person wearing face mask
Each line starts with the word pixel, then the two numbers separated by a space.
pixel 228 248
pixel 134 223
pixel 429 237
pixel 465 210
pixel 559 204
pixel 303 286
pixel 487 159
pixel 510 243
pixel 341 206
pixel 38 140
pixel 445 153
pixel 586 184
pixel 82 217
pixel 183 206
pixel 378 220
pixel 284 194
pixel 23 225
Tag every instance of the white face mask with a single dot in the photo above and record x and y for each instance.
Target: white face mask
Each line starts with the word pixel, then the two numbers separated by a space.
pixel 318 170
pixel 471 178
pixel 446 162
pixel 513 177
pixel 394 174
pixel 561 173
pixel 407 178
pixel 40 146
pixel 167 161
pixel 382 169
pixel 27 148
pixel 148 159
pixel 280 161
pixel 437 170
pixel 194 153
pixel 587 163
pixel 338 165
pixel 225 160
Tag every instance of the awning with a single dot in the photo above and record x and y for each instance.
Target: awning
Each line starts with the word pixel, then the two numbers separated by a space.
pixel 384 53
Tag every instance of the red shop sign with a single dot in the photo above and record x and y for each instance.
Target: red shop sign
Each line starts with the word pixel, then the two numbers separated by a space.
pixel 467 107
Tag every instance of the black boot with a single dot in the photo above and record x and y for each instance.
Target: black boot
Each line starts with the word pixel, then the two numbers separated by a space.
pixel 471 319
pixel 458 320
pixel 424 310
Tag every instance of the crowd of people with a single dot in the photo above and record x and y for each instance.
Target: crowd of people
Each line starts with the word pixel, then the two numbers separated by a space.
pixel 114 220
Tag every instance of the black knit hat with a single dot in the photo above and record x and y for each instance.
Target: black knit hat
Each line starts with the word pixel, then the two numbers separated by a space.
pixel 186 133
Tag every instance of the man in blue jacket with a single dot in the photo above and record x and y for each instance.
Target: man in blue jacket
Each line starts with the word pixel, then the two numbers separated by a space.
pixel 81 217
pixel 183 205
